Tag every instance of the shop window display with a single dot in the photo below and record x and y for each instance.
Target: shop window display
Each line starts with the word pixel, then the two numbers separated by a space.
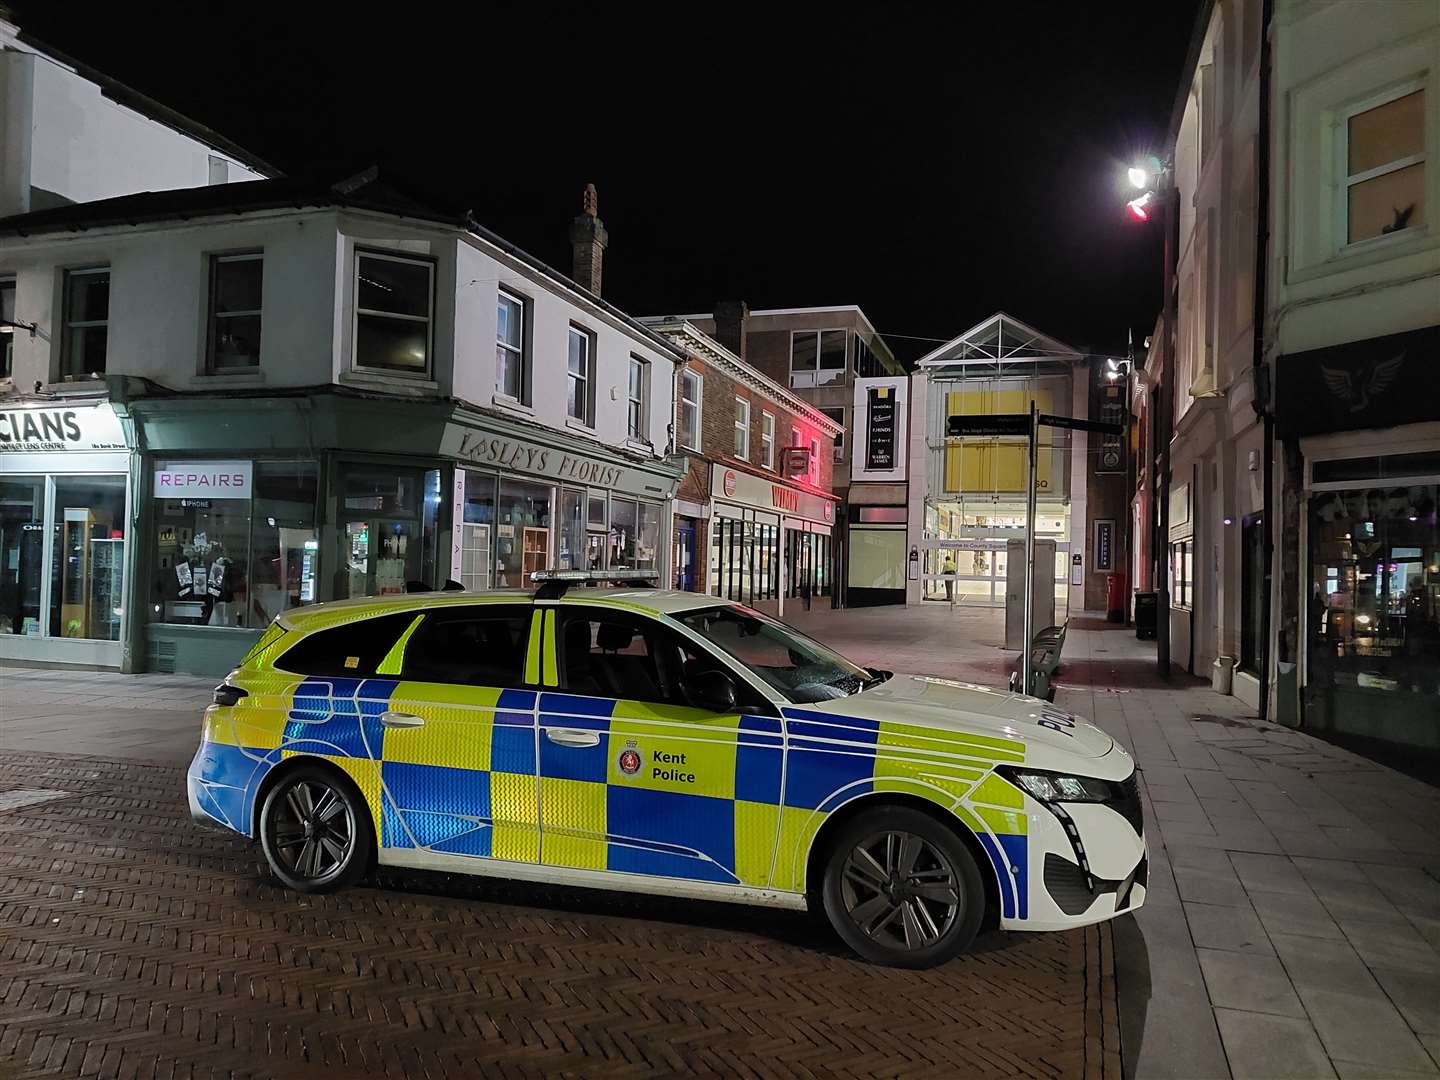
pixel 634 534
pixel 237 557
pixel 522 532
pixel 389 530
pixel 22 554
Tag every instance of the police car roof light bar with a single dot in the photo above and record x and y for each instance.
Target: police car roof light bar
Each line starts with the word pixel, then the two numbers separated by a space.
pixel 554 584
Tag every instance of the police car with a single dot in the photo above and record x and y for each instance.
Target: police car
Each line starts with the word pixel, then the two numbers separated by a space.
pixel 667 743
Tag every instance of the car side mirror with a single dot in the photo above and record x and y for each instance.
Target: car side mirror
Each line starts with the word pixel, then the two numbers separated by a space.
pixel 713 691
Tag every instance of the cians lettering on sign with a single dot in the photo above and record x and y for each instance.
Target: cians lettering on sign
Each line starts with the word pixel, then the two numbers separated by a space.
pixel 60 429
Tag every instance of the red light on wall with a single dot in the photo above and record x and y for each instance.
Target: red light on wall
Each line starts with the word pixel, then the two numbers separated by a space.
pixel 1136 208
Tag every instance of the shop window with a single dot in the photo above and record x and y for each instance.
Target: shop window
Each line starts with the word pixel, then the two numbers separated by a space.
pixel 235 287
pixel 579 548
pixel 22 554
pixel 1182 573
pixel 236 553
pixel 634 534
pixel 394 305
pixel 389 530
pixel 522 532
pixel 87 570
pixel 87 323
pixel 7 330
pixel 479 646
pixel 351 651
pixel 1374 607
pixel 580 376
pixel 512 343
pixel 1385 168
pixel 1252 593
pixel 477 529
pixel 690 383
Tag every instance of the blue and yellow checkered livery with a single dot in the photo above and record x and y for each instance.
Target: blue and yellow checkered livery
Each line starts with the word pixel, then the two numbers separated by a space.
pixel 592 783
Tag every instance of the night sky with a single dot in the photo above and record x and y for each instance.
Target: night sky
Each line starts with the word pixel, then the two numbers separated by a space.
pixel 931 164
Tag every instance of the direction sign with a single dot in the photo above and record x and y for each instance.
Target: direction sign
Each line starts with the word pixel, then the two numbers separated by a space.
pixel 1098 426
pixel 993 424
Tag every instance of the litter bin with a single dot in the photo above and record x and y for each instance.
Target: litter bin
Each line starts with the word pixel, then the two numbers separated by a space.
pixel 1147 612
pixel 1115 596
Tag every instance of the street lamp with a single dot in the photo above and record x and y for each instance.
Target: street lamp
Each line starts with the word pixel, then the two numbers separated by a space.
pixel 1157 179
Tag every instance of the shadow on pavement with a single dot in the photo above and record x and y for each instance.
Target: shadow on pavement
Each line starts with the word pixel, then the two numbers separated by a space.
pixel 1132 984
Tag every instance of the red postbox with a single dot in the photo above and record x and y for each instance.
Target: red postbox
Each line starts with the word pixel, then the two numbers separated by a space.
pixel 1115 596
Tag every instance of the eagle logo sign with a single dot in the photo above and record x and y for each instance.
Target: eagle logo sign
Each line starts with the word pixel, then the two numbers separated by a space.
pixel 1361 387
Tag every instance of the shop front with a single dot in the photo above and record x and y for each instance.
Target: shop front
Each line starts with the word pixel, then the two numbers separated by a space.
pixel 1369 544
pixel 252 507
pixel 64 514
pixel 768 539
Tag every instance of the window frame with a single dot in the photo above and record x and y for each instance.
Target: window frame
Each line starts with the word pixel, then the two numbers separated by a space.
pixel 698 402
pixel 814 461
pixel 1182 588
pixel 576 330
pixel 741 447
pixel 522 353
pixel 7 357
pixel 67 348
pixel 216 260
pixel 637 401
pixel 1344 181
pixel 767 439
pixel 518 610
pixel 426 261
pixel 838 374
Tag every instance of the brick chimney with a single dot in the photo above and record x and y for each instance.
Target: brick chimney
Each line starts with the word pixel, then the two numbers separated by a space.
pixel 732 323
pixel 587 240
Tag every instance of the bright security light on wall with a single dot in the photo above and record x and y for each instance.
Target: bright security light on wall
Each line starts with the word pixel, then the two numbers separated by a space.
pixel 1139 177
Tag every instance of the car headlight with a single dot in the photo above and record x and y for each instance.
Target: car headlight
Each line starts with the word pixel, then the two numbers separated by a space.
pixel 1050 787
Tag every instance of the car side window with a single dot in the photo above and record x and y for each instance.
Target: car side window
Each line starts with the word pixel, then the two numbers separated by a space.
pixel 351 651
pixel 481 645
pixel 618 655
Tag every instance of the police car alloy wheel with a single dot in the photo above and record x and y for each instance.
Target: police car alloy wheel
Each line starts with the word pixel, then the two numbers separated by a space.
pixel 315 832
pixel 902 889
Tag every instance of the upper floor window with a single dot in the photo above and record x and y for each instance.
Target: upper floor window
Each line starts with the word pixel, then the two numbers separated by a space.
pixel 838 415
pixel 815 462
pixel 690 409
pixel 235 285
pixel 580 375
pixel 638 398
pixel 87 323
pixel 817 357
pixel 7 331
pixel 1385 168
pixel 511 347
pixel 394 305
pixel 767 440
pixel 742 428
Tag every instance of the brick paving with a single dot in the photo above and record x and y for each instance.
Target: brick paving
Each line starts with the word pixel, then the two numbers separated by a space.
pixel 135 944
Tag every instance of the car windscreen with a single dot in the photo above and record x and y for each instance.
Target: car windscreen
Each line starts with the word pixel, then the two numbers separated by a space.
pixel 799 667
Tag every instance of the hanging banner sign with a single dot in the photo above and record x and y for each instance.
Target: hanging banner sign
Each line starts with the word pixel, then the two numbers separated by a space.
pixel 880 429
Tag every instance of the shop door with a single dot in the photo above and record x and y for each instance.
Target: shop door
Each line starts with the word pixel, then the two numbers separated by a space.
pixel 685 554
pixel 536 551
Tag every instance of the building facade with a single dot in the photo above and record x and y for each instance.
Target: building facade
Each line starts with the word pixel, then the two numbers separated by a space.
pixel 1302 544
pixel 818 354
pixel 70 134
pixel 755 519
pixel 318 394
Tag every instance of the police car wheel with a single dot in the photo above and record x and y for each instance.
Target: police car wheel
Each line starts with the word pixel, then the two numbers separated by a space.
pixel 902 889
pixel 315 831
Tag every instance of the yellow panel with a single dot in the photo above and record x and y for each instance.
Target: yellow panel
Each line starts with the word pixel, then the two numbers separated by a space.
pixel 955 742
pixel 755 828
pixel 1002 821
pixel 997 792
pixel 901 774
pixel 686 750
pixel 573 819
pixel 513 809
pixel 394 661
pixel 458 722
pixel 797 830
pixel 551 666
pixel 532 655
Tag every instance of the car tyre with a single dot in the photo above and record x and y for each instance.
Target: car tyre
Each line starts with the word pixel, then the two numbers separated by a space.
pixel 315 830
pixel 902 889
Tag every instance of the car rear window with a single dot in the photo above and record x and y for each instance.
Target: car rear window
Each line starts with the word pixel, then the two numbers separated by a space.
pixel 350 651
pixel 479 646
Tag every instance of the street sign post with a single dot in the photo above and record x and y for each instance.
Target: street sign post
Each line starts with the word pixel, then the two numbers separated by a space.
pixel 996 424
pixel 1027 677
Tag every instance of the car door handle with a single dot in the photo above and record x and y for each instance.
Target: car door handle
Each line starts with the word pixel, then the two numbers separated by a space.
pixel 571 737
pixel 400 720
